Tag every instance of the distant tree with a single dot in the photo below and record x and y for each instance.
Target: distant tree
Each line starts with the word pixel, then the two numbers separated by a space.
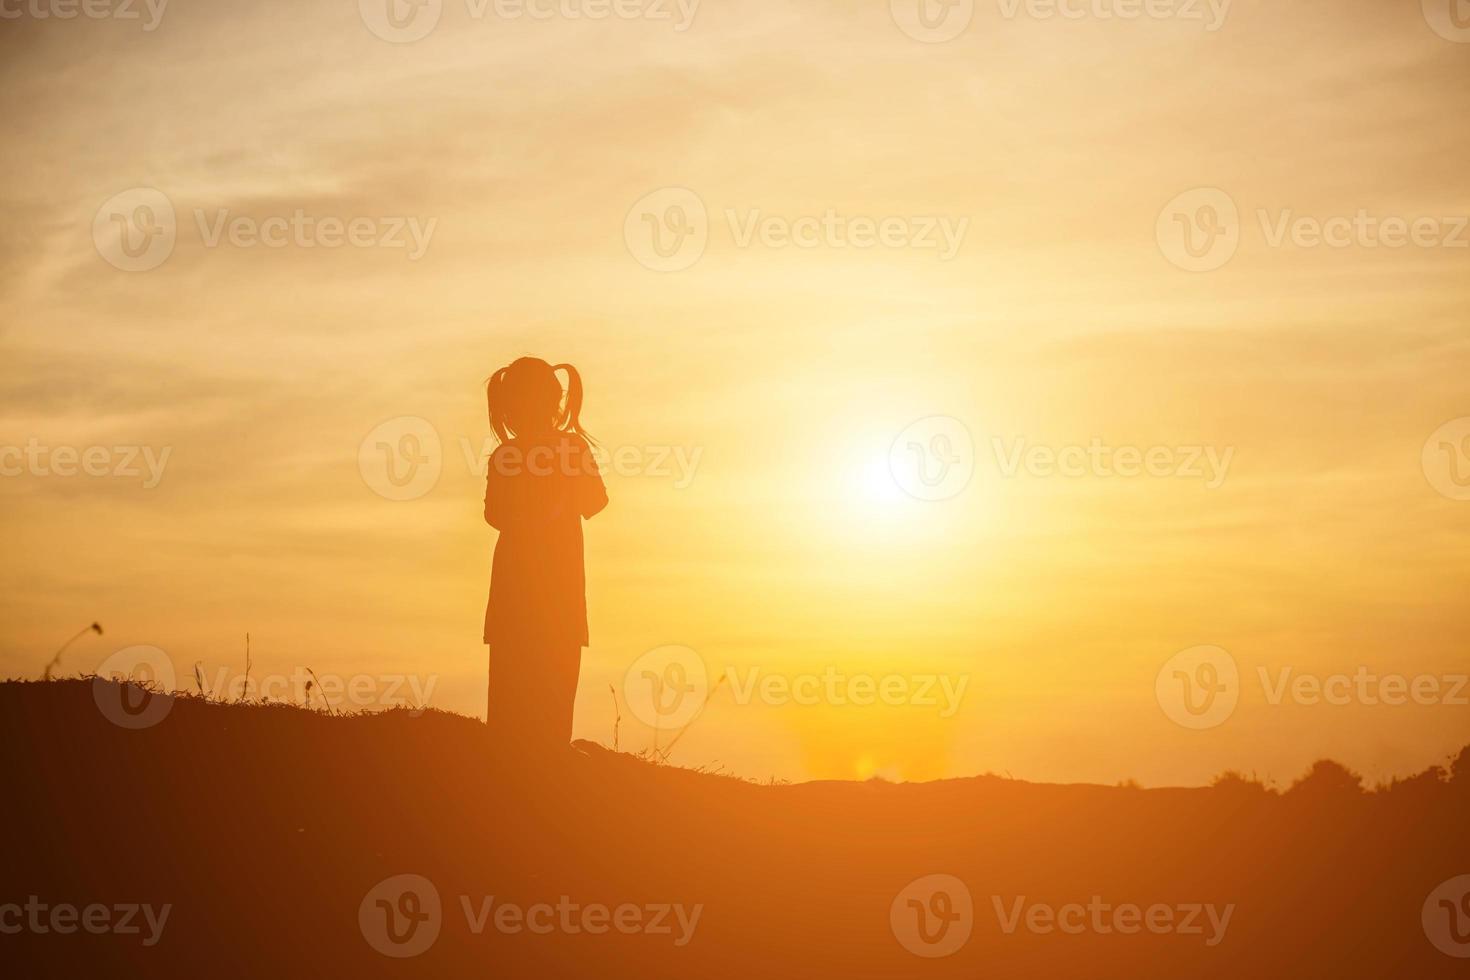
pixel 1327 780
pixel 1425 787
pixel 1232 781
pixel 1460 769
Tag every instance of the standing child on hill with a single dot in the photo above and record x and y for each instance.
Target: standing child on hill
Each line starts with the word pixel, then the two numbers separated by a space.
pixel 542 482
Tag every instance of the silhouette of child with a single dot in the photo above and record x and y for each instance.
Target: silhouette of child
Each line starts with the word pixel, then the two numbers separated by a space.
pixel 542 482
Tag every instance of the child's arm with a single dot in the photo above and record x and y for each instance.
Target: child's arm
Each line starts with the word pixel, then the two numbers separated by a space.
pixel 493 505
pixel 497 489
pixel 591 491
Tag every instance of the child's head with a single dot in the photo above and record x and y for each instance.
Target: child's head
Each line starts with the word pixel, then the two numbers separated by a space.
pixel 526 399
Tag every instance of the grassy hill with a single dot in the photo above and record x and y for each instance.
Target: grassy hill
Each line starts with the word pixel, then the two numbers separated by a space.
pixel 276 837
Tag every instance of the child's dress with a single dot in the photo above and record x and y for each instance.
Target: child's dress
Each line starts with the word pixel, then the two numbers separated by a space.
pixel 537 493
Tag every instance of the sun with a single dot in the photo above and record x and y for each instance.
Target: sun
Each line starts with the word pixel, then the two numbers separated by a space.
pixel 874 485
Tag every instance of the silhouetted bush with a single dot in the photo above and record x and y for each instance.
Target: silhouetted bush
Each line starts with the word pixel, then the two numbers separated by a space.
pixel 1425 787
pixel 1460 769
pixel 1327 780
pixel 1234 782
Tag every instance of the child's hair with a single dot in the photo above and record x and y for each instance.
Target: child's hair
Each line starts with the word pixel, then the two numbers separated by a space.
pixel 526 396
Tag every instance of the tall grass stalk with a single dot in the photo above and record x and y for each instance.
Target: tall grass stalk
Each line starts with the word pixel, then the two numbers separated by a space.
pixel 245 688
pixel 56 659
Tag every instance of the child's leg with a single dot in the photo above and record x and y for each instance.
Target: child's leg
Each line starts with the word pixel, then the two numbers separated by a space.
pixel 564 666
pixel 504 694
pixel 531 695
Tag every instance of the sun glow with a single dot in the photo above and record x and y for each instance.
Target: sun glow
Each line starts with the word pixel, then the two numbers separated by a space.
pixel 876 487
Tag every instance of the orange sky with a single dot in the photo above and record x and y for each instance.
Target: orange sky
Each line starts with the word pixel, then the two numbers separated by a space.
pixel 780 374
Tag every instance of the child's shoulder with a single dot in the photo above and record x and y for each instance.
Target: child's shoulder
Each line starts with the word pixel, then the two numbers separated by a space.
pixel 564 445
pixel 577 441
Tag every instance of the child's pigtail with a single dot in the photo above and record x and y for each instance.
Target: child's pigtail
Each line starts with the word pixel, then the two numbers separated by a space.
pixel 571 416
pixel 494 403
